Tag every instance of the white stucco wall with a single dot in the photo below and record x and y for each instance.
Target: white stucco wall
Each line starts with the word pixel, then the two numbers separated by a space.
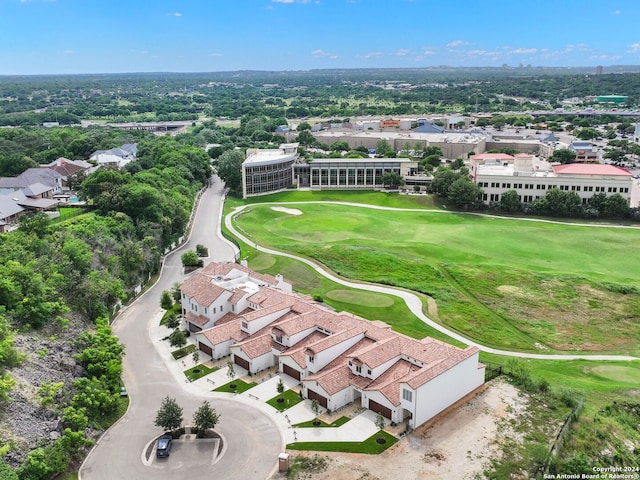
pixel 324 357
pixel 259 323
pixel 293 339
pixel 262 362
pixel 446 389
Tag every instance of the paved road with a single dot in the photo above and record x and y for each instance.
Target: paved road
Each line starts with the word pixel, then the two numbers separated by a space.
pixel 253 440
pixel 414 303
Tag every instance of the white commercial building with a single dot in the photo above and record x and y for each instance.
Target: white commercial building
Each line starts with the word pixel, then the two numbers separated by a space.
pixel 531 178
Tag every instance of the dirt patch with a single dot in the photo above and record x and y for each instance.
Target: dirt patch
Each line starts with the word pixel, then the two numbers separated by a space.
pixel 459 445
pixel 290 211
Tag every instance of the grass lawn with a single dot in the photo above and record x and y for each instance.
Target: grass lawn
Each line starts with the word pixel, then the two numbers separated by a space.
pixel 370 445
pixel 337 423
pixel 175 310
pixel 533 287
pixel 199 371
pixel 183 352
pixel 241 386
pixel 289 397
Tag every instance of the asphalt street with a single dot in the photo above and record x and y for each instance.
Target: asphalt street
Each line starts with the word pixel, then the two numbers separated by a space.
pixel 252 440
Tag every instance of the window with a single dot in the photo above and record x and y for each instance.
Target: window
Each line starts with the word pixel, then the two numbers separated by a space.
pixel 221 307
pixel 368 372
pixel 214 309
pixel 359 369
pixel 312 358
pixel 245 325
pixel 279 339
pixel 206 310
pixel 407 395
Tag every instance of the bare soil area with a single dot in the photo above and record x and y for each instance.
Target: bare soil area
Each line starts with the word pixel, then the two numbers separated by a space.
pixel 459 445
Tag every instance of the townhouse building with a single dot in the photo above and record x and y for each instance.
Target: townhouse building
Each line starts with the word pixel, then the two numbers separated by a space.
pixel 338 358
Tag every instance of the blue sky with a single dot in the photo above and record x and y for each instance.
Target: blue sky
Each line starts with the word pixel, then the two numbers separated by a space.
pixel 106 36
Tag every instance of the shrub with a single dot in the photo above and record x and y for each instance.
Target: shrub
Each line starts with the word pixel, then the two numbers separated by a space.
pixel 190 259
pixel 166 300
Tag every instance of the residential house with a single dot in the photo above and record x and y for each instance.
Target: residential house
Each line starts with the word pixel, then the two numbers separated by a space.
pixel 67 168
pixel 116 157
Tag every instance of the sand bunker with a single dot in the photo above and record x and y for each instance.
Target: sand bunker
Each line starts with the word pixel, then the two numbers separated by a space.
pixel 290 211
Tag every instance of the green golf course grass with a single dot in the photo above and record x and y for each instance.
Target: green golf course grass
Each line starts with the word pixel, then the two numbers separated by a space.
pixel 512 284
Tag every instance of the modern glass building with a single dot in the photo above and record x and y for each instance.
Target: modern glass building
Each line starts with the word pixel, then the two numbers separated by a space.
pixel 268 171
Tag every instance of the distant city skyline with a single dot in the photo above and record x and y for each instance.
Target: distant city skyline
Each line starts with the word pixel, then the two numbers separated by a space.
pixel 102 36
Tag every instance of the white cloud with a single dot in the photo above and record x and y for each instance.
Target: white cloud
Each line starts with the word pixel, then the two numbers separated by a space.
pixel 25 1
pixel 524 50
pixel 371 55
pixel 616 12
pixel 428 52
pixel 68 52
pixel 476 52
pixel 457 43
pixel 176 14
pixel 322 54
pixel 605 57
pixel 634 47
pixel 293 1
pixel 401 52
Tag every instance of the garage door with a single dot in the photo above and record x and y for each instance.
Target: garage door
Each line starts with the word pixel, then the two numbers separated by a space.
pixel 311 395
pixel 194 328
pixel 381 409
pixel 205 348
pixel 241 361
pixel 292 372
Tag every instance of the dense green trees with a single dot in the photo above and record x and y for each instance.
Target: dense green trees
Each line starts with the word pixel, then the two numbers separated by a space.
pixel 229 169
pixel 510 201
pixel 392 179
pixel 463 193
pixel 563 155
pixel 558 203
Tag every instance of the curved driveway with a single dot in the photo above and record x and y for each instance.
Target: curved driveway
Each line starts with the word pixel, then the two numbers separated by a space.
pixel 253 440
pixel 413 301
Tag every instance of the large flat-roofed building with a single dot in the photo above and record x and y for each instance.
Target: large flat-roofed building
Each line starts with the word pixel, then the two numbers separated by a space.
pixel 453 145
pixel 350 173
pixel 267 171
pixel 531 178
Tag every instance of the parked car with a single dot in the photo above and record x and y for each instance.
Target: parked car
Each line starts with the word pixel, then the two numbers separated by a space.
pixel 164 446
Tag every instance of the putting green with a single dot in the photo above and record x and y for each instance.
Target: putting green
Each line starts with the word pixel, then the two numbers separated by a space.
pixel 262 262
pixel 360 298
pixel 614 372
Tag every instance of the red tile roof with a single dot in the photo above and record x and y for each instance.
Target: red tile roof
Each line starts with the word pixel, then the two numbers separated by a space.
pixel 413 362
pixel 199 320
pixel 225 332
pixel 591 169
pixel 202 289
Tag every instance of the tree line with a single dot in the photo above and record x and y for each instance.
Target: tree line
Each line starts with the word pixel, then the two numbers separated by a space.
pixel 86 266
